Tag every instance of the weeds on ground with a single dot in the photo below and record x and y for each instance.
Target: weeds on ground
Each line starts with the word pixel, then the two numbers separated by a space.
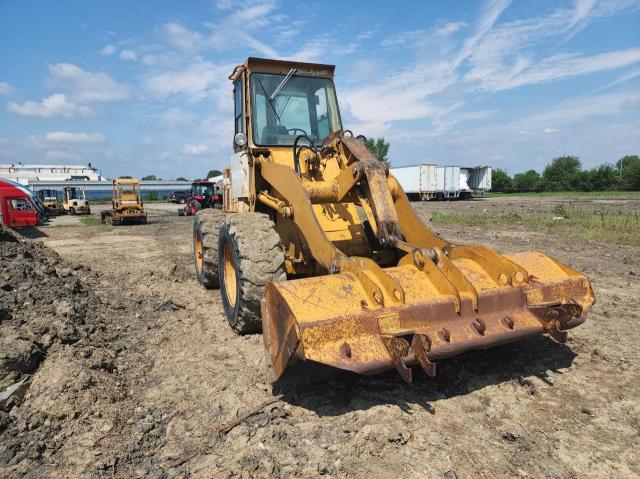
pixel 617 227
pixel 90 221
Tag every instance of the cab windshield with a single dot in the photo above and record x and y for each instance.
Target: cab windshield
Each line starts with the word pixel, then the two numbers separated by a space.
pixel 76 194
pixel 300 106
pixel 128 188
pixel 202 190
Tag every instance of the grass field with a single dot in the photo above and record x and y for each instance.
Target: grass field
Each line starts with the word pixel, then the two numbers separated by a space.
pixel 90 221
pixel 572 194
pixel 618 227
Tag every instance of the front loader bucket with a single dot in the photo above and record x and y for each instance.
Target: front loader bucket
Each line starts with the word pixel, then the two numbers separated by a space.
pixel 330 319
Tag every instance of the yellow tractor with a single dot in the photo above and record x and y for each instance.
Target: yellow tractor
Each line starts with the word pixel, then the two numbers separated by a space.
pixel 74 201
pixel 126 204
pixel 51 200
pixel 319 248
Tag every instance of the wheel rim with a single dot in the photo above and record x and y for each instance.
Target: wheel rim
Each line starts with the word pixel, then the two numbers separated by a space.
pixel 229 275
pixel 199 255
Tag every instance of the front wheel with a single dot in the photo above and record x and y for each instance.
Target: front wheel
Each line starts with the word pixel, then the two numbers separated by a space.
pixel 250 255
pixel 72 211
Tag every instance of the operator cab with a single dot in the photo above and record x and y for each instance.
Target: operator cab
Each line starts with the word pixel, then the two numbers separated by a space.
pixel 287 100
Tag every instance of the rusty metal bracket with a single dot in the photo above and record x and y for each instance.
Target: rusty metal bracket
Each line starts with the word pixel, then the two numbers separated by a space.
pixel 381 288
pixel 425 261
pixel 503 271
pixel 421 344
pixel 455 276
pixel 398 348
pixel 347 178
pixel 555 316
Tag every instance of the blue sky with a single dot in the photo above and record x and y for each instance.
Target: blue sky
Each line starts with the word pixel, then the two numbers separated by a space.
pixel 141 87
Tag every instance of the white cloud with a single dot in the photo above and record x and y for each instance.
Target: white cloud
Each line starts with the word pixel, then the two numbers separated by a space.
pixel 182 37
pixel 108 50
pixel 561 66
pixel 60 155
pixel 508 56
pixel 52 106
pixel 577 110
pixel 550 130
pixel 195 80
pixel 74 138
pixel 127 54
pixel 177 116
pixel 194 149
pixel 224 4
pixel 5 89
pixel 87 86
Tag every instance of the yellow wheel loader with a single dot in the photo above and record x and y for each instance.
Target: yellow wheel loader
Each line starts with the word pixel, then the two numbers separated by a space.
pixel 317 246
pixel 126 204
pixel 74 201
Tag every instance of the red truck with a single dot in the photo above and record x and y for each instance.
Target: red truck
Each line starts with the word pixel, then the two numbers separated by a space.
pixel 19 207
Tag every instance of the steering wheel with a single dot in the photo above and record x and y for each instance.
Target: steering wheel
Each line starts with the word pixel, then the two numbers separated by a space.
pixel 293 131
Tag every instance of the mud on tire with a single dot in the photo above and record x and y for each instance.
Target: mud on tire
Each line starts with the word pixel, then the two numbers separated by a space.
pixel 250 255
pixel 206 228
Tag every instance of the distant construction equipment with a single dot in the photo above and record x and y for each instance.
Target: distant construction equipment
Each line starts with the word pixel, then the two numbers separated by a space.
pixel 126 204
pixel 432 182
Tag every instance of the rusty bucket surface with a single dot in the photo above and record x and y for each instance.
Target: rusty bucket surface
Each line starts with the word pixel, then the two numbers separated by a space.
pixel 458 305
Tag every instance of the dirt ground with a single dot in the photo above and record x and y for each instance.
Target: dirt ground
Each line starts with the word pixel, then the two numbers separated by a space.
pixel 139 370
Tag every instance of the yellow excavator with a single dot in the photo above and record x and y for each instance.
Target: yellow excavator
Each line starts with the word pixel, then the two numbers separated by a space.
pixel 318 247
pixel 126 204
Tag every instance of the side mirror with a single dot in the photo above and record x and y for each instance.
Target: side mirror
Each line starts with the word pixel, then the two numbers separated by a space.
pixel 240 139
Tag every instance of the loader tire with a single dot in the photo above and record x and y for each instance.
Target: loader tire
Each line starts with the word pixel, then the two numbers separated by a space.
pixel 206 228
pixel 250 255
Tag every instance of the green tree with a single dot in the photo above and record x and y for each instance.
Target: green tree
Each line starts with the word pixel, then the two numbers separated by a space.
pixel 500 180
pixel 379 148
pixel 632 176
pixel 563 174
pixel 124 177
pixel 629 171
pixel 213 173
pixel 527 181
pixel 181 179
pixel 149 178
pixel 603 178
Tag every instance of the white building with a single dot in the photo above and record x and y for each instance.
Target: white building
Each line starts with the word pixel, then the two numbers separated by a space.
pixel 29 173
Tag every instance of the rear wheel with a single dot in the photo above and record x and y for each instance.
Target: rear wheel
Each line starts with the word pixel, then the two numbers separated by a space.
pixel 250 255
pixel 206 228
pixel 72 211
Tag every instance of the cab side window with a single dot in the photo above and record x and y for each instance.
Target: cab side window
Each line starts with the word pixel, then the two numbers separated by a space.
pixel 238 102
pixel 20 204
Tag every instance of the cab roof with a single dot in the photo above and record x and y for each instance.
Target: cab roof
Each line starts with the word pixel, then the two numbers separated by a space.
pixel 282 67
pixel 123 181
